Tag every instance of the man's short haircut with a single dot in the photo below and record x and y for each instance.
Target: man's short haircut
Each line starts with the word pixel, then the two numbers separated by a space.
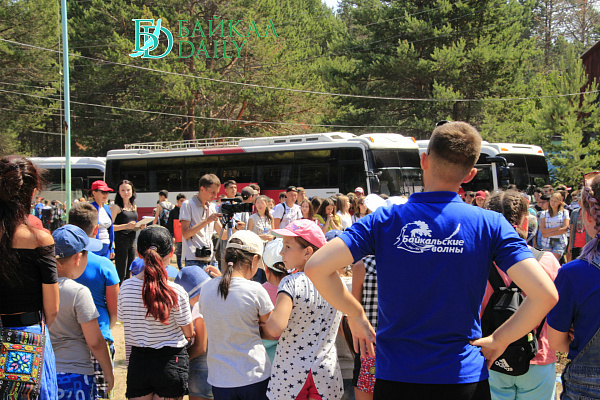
pixel 180 196
pixel 547 187
pixel 455 144
pixel 255 187
pixel 209 180
pixel 229 182
pixel 85 216
pixel 164 193
pixel 538 190
pixel 301 189
pixel 281 195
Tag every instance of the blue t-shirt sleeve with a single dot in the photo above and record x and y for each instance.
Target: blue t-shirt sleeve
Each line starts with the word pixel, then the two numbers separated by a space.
pixel 359 237
pixel 110 272
pixel 509 247
pixel 560 317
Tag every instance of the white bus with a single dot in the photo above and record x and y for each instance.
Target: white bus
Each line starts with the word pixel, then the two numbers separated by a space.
pixel 84 171
pixel 501 164
pixel 324 164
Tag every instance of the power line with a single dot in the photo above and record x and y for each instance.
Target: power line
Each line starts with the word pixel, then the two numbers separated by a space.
pixel 307 91
pixel 206 118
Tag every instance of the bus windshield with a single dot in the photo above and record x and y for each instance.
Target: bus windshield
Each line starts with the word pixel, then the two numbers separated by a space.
pixel 528 169
pixel 398 172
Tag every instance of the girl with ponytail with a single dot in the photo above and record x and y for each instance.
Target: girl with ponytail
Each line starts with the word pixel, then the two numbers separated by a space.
pixel 158 323
pixel 574 323
pixel 233 308
pixel 540 381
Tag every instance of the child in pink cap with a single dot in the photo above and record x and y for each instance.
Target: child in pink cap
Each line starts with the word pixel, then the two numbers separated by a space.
pixel 306 364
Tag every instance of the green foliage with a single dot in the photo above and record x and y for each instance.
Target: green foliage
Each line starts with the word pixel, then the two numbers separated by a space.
pixel 569 124
pixel 432 50
pixel 28 70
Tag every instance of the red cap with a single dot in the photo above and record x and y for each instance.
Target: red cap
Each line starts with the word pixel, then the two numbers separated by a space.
pixel 481 194
pixel 461 191
pixel 306 229
pixel 101 185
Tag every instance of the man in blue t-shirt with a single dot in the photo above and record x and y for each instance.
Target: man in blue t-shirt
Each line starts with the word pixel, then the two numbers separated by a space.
pixel 101 277
pixel 433 258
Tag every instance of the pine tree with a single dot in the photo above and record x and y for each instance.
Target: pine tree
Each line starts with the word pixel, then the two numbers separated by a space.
pixel 569 124
pixel 431 50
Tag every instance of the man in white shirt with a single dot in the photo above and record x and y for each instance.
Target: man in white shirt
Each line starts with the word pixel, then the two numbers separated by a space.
pixel 199 220
pixel 288 211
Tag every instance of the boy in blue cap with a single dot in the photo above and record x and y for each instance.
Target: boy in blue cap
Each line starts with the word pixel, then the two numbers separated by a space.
pixel 76 331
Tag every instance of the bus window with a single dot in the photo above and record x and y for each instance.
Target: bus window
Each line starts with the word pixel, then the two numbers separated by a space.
pixel 399 171
pixel 528 169
pixel 133 170
pixel 481 181
pixel 239 167
pixel 165 173
pixel 196 167
pixel 315 169
pixel 351 170
pixel 274 170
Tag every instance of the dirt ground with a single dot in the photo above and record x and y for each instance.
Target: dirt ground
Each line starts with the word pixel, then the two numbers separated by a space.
pixel 120 370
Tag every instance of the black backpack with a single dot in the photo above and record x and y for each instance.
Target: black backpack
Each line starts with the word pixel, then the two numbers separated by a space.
pixel 503 303
pixel 164 214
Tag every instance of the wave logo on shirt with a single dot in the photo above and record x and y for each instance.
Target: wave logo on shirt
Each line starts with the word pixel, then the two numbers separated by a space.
pixel 416 237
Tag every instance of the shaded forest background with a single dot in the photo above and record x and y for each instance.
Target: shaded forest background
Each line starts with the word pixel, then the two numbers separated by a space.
pixel 506 67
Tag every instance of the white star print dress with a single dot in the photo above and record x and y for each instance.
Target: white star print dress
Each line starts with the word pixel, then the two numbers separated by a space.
pixel 307 344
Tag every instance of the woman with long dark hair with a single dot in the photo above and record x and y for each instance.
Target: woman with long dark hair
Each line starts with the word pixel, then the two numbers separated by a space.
pixel 28 277
pixel 124 216
pixel 158 322
pixel 574 323
pixel 326 216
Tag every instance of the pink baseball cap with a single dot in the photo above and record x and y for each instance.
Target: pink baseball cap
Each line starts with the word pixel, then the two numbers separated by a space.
pixel 306 229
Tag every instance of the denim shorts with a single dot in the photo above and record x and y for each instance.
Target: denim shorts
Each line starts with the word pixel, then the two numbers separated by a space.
pixel 163 372
pixel 556 246
pixel 198 380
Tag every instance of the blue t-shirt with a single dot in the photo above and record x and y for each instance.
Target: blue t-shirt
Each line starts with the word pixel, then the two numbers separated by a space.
pixel 138 266
pixel 433 258
pixel 38 210
pixel 578 285
pixel 99 273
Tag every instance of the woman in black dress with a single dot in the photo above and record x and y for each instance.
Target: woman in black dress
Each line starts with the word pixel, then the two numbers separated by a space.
pixel 124 216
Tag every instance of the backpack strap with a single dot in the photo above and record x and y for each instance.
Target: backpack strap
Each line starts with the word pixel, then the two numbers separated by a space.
pixel 495 279
pixel 539 329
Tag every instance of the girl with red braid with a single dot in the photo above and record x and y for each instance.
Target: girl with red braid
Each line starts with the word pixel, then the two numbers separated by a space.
pixel 157 321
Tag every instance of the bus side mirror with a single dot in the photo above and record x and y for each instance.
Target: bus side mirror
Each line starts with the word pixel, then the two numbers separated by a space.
pixel 374 181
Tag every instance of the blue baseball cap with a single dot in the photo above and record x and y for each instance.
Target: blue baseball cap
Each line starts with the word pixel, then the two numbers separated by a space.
pixel 71 239
pixel 192 278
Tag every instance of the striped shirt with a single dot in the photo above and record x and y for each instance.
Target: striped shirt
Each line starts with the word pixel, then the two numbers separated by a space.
pixel 148 332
